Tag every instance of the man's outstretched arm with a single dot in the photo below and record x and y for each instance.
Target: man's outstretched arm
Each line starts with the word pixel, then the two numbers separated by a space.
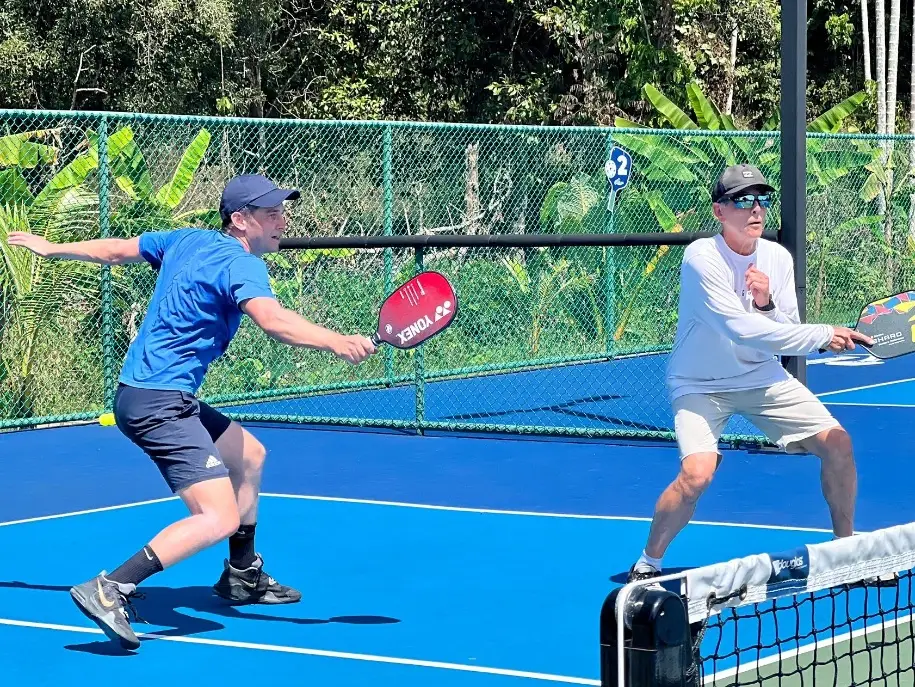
pixel 103 251
pixel 288 327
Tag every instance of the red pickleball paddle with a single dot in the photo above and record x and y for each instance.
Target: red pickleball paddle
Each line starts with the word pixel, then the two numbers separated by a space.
pixel 416 311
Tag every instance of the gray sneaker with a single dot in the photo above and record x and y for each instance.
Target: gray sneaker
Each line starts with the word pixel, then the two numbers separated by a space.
pixel 105 602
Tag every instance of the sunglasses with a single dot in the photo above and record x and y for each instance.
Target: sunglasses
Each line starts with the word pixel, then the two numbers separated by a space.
pixel 746 201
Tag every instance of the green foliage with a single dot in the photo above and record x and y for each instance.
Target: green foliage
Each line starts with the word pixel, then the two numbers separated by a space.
pixel 540 290
pixel 689 166
pixel 37 291
pixel 709 117
pixel 574 207
pixel 55 298
pixel 149 208
pixel 22 150
pixel 831 121
pixel 840 29
pixel 569 61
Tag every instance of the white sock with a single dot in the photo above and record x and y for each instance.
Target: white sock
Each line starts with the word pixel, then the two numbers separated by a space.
pixel 648 560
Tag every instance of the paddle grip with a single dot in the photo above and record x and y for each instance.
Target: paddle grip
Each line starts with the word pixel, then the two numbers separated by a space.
pixel 857 343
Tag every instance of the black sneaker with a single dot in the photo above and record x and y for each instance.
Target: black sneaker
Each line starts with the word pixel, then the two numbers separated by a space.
pixel 105 602
pixel 642 571
pixel 253 586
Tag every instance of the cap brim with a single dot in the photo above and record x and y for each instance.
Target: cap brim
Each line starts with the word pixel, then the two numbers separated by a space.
pixel 744 187
pixel 274 198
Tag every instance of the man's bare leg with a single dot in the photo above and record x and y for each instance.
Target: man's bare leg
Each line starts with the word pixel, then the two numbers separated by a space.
pixel 838 476
pixel 676 506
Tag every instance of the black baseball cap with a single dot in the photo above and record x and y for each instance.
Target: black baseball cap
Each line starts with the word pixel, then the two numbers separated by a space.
pixel 252 190
pixel 737 178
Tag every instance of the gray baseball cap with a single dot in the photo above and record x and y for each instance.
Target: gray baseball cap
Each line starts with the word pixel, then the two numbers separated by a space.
pixel 737 178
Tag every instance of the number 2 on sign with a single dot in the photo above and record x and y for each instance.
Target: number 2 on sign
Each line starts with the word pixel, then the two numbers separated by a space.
pixel 622 169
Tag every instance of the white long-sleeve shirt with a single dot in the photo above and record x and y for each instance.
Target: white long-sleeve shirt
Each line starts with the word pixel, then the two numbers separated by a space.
pixel 722 342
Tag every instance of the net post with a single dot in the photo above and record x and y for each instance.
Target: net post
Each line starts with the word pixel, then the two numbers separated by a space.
pixel 793 235
pixel 419 370
pixel 388 211
pixel 104 199
pixel 656 650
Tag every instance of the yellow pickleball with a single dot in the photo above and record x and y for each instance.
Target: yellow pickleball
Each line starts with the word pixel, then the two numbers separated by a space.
pixel 106 420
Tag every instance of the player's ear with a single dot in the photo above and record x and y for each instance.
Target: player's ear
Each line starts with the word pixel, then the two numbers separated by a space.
pixel 716 210
pixel 238 219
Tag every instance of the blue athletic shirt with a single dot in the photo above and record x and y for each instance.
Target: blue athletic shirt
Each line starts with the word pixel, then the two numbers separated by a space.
pixel 204 275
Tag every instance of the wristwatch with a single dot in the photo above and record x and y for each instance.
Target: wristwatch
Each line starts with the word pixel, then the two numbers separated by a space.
pixel 767 307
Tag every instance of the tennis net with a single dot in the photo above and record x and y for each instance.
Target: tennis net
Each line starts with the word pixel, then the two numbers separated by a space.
pixel 837 613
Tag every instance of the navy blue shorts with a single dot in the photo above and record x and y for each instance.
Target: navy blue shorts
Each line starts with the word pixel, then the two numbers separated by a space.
pixel 176 430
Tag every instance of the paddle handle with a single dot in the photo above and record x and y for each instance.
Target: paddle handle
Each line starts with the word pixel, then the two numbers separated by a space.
pixel 857 343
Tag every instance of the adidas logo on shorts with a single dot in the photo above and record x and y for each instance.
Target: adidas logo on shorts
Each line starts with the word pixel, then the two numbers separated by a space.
pixel 213 462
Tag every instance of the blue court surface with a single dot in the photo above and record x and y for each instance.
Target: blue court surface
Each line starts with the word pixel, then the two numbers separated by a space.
pixel 423 560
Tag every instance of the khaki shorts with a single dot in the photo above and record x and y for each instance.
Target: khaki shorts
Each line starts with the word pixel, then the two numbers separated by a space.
pixel 786 412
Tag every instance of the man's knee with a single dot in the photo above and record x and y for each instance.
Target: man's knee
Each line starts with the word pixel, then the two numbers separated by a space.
pixel 223 523
pixel 255 456
pixel 696 474
pixel 832 444
pixel 242 452
pixel 213 502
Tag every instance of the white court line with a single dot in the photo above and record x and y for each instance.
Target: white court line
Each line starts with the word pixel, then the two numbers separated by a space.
pixel 319 652
pixel 866 386
pixel 457 509
pixel 574 516
pixel 807 648
pixel 87 512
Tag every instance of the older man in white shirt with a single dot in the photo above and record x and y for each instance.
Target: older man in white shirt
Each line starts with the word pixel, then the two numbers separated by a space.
pixel 737 313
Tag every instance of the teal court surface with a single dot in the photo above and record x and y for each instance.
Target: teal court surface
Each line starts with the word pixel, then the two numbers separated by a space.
pixel 443 559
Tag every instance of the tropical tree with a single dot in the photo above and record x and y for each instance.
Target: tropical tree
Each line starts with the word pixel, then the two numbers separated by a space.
pixel 148 207
pixel 35 291
pixel 695 161
pixel 676 172
pixel 66 208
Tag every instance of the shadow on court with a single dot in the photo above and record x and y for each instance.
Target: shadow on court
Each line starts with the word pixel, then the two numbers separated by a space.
pixel 159 606
pixel 565 408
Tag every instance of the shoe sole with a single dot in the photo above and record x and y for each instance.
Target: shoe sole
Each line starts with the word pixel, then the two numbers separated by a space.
pixel 268 599
pixel 83 605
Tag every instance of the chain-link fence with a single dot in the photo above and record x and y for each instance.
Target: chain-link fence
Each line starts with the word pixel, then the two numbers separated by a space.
pixel 532 346
pixel 557 339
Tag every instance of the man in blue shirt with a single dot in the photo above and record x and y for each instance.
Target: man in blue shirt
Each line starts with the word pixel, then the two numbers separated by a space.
pixel 206 280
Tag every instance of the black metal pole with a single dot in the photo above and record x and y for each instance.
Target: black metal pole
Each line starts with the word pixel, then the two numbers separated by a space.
pixel 794 155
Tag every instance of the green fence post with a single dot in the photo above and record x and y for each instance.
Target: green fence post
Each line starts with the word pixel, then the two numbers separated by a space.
pixel 104 202
pixel 388 231
pixel 419 368
pixel 609 266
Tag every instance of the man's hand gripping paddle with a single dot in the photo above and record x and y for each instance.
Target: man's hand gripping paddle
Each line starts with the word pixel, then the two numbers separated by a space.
pixel 416 311
pixel 890 322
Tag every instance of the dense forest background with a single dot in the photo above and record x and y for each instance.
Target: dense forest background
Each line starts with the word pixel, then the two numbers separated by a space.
pixel 513 61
